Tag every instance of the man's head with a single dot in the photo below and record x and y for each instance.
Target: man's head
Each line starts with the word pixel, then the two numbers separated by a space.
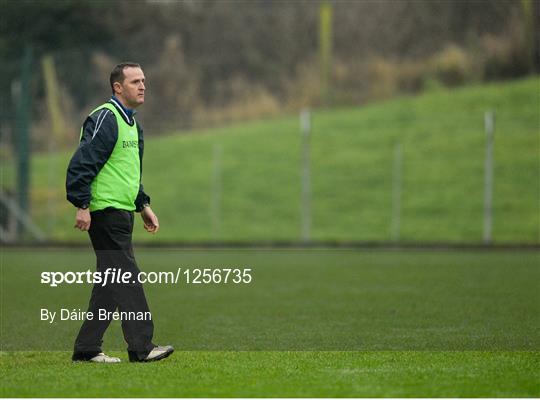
pixel 127 84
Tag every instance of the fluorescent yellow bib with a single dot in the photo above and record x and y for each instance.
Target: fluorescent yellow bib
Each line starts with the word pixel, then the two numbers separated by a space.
pixel 117 184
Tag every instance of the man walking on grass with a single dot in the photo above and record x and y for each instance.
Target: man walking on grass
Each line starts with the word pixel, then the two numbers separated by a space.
pixel 104 183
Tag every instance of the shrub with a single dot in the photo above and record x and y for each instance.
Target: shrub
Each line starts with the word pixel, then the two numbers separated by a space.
pixel 505 56
pixel 452 66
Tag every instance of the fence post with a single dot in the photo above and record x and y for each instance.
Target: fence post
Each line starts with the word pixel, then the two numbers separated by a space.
pixel 489 122
pixel 23 135
pixel 52 91
pixel 216 191
pixel 305 122
pixel 396 192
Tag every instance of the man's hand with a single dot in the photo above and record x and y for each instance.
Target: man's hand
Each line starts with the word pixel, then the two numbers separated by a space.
pixel 151 223
pixel 82 219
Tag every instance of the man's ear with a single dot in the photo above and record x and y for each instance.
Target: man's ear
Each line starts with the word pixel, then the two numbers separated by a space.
pixel 117 87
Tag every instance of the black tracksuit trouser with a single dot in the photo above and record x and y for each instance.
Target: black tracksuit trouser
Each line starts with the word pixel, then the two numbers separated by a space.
pixel 110 232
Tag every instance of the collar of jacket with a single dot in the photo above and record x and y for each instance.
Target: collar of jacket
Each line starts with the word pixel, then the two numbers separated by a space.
pixel 127 113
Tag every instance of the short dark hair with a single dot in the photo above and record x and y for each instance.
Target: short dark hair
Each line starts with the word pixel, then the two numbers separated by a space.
pixel 117 74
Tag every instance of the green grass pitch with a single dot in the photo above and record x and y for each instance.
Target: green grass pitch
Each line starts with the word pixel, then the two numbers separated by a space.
pixel 312 323
pixel 279 374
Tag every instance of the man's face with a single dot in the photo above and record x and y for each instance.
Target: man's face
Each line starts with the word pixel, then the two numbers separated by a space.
pixel 131 90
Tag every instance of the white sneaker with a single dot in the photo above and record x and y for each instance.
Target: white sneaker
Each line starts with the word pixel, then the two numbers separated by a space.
pixel 104 358
pixel 157 353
